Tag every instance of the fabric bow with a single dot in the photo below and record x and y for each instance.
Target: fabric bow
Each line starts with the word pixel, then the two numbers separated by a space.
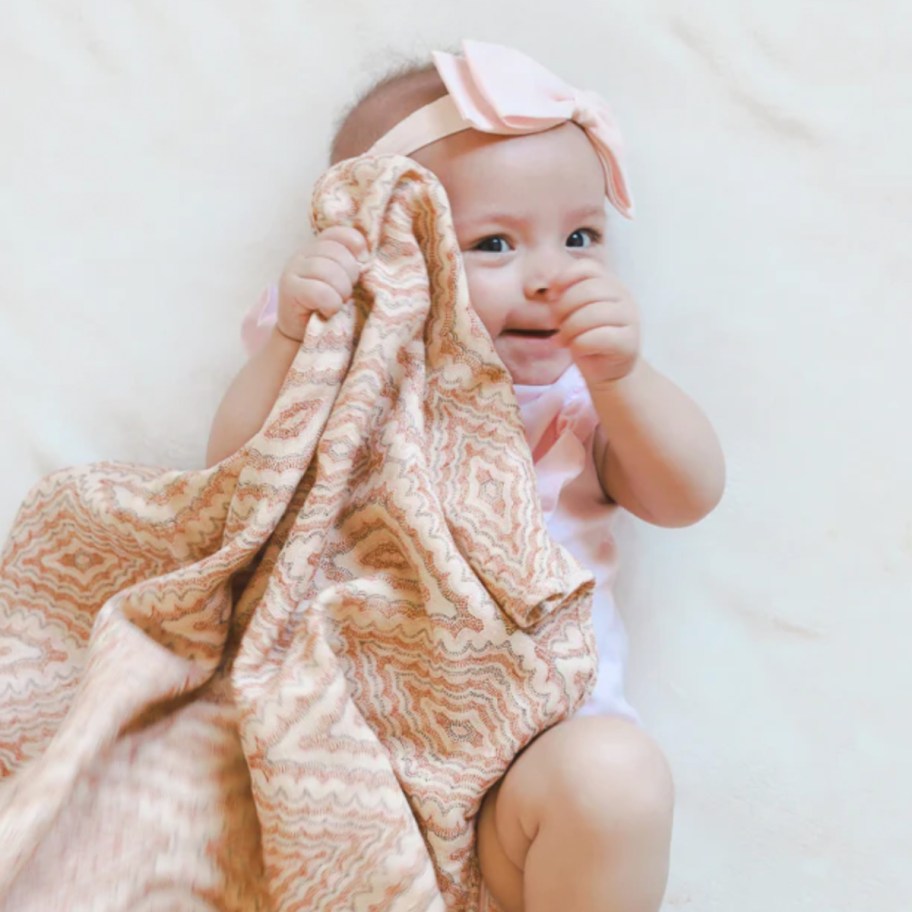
pixel 498 89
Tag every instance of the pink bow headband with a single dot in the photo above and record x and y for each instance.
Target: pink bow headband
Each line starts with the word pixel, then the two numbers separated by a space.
pixel 496 89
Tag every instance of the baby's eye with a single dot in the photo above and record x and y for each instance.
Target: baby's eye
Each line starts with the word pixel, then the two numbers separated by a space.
pixel 494 244
pixel 583 237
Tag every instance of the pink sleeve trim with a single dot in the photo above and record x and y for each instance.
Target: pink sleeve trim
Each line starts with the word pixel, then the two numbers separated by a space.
pixel 259 320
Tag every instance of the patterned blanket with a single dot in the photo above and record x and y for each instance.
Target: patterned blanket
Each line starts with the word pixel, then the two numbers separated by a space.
pixel 285 682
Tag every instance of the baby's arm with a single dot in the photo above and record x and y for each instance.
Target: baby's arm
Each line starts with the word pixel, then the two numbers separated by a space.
pixel 656 452
pixel 320 278
pixel 250 397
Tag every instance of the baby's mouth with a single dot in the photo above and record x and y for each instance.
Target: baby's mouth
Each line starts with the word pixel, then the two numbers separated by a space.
pixel 531 333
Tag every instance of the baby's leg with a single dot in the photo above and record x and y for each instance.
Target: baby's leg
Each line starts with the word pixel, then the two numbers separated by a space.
pixel 581 821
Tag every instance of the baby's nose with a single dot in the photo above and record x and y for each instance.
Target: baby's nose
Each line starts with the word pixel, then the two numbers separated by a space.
pixel 542 279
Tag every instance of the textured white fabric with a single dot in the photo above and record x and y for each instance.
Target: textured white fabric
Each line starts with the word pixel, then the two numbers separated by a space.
pixel 155 173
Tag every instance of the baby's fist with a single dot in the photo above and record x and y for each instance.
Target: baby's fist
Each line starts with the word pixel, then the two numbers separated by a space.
pixel 320 278
pixel 599 323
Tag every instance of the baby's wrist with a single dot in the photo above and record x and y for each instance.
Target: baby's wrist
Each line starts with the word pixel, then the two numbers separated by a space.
pixel 616 384
pixel 278 331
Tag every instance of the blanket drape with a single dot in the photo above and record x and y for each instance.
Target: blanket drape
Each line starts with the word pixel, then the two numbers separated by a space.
pixel 286 681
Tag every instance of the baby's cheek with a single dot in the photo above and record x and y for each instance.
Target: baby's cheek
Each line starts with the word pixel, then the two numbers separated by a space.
pixel 489 299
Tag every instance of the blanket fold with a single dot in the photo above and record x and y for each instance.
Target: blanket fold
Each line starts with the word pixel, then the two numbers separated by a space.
pixel 285 682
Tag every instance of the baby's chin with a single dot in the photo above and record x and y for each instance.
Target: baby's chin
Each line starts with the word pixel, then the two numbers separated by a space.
pixel 531 371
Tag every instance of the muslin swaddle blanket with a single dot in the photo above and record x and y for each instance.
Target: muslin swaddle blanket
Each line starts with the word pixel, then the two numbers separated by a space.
pixel 285 682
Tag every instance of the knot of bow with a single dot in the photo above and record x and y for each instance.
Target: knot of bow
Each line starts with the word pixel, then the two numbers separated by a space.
pixel 500 90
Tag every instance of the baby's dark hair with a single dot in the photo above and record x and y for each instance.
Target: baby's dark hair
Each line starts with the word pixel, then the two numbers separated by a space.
pixel 381 106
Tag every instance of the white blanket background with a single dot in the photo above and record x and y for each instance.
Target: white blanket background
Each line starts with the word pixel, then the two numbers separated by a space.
pixel 156 162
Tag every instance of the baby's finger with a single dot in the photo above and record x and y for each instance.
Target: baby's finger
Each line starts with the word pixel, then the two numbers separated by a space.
pixel 587 290
pixel 350 238
pixel 310 295
pixel 328 270
pixel 616 346
pixel 594 315
pixel 579 271
pixel 338 253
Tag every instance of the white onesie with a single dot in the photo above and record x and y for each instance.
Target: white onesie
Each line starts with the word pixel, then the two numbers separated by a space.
pixel 560 422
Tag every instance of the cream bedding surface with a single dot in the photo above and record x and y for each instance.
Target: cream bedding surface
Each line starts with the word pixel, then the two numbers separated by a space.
pixel 157 162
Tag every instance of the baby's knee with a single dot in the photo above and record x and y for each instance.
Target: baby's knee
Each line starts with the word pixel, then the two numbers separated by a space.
pixel 613 777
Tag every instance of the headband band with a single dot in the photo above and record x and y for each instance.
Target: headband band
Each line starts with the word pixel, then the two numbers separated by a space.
pixel 499 90
pixel 434 121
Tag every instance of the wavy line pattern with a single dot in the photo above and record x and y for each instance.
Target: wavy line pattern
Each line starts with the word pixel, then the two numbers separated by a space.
pixel 286 682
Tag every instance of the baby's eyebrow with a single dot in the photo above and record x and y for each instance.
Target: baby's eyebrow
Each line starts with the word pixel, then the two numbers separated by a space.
pixel 500 218
pixel 512 221
pixel 587 212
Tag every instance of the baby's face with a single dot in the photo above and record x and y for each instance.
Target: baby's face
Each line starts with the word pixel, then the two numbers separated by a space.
pixel 526 209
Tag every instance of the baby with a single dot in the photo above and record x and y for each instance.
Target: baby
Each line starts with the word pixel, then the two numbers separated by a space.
pixel 582 818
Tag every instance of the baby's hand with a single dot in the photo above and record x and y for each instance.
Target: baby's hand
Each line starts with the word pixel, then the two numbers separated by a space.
pixel 598 321
pixel 320 278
